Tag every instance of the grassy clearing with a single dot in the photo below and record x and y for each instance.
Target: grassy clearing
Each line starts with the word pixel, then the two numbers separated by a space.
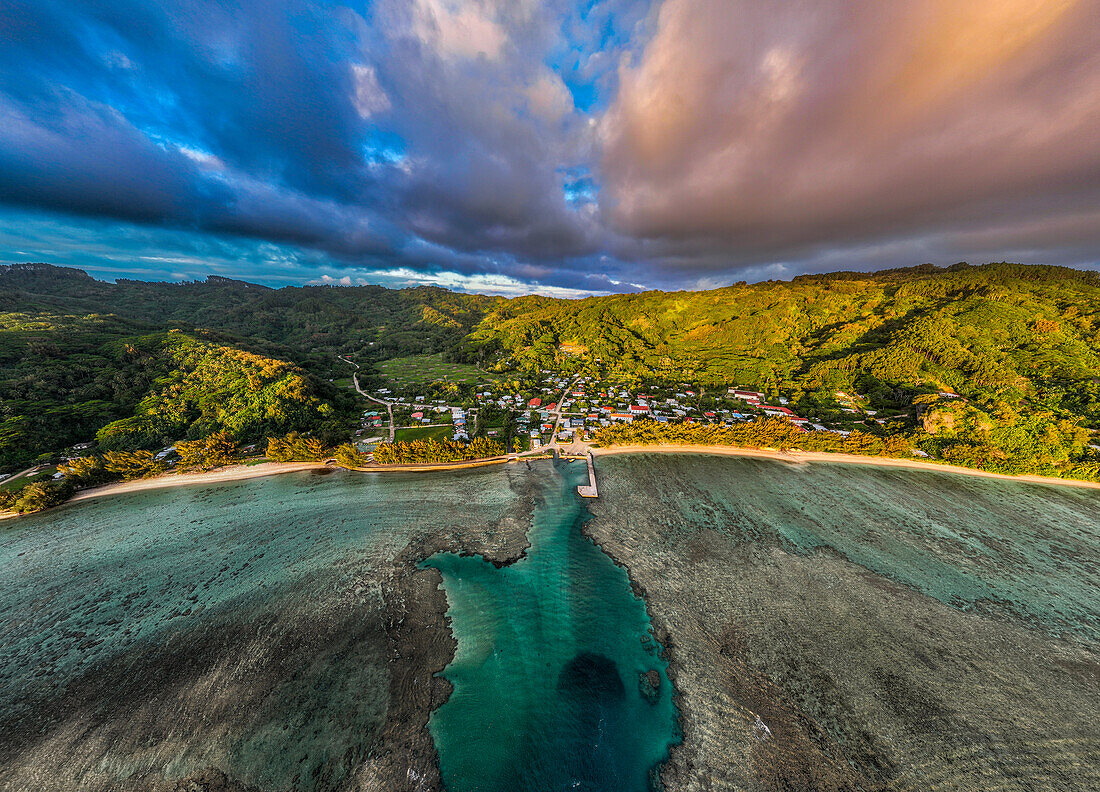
pixel 424 433
pixel 22 481
pixel 420 369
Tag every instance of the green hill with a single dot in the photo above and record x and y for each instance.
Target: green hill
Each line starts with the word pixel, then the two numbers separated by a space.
pixel 1019 344
pixel 66 379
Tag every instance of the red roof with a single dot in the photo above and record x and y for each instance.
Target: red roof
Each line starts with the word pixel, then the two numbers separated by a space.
pixel 784 410
pixel 534 403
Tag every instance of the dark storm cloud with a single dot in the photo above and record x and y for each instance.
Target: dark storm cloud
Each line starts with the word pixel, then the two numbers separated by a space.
pixel 599 146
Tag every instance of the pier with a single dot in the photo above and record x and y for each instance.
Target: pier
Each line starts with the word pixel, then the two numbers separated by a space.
pixel 589 490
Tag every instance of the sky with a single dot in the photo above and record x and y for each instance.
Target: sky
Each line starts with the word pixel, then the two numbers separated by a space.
pixel 559 147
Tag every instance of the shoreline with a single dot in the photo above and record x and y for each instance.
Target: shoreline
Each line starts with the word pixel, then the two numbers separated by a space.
pixel 264 469
pixel 803 457
pixel 245 472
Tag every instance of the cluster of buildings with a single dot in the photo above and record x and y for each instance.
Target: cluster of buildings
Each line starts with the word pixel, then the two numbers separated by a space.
pixel 587 404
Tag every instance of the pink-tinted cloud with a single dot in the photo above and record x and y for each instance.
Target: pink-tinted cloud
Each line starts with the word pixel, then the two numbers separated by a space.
pixel 764 130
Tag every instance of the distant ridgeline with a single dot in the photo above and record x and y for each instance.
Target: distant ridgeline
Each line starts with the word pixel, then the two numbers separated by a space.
pixel 1019 344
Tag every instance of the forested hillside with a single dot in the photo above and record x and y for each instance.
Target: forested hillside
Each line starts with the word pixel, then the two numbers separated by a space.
pixel 313 321
pixel 66 379
pixel 983 329
pixel 1019 344
pixel 999 334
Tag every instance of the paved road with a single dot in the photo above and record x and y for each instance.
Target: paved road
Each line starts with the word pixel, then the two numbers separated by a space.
pixel 557 413
pixel 386 404
pixel 14 476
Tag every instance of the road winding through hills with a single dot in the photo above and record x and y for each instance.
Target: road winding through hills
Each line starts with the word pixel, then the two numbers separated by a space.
pixel 386 404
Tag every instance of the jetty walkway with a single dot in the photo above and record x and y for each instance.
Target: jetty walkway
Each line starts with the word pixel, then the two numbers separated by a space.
pixel 588 490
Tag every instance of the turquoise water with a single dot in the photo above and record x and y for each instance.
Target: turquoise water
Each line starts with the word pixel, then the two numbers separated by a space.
pixel 555 667
pixel 1023 549
pixel 236 625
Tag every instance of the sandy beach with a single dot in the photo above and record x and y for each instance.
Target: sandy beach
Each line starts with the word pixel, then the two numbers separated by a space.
pixel 241 472
pixel 230 473
pixel 799 457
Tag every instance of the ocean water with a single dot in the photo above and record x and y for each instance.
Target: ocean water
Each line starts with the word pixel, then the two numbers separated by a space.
pixel 1027 550
pixel 842 626
pixel 239 626
pixel 558 682
pixel 833 627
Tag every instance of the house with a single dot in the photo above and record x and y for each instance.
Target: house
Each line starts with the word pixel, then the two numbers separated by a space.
pixel 639 409
pixel 773 410
pixel 417 415
pixel 627 417
pixel 536 402
pixel 746 395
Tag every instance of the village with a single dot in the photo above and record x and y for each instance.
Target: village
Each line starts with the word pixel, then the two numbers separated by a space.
pixel 556 409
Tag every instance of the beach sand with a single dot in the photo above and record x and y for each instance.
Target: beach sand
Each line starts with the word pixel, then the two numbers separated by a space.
pixel 799 457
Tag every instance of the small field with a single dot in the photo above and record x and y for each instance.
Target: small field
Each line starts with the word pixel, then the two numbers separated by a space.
pixel 420 369
pixel 423 433
pixel 22 481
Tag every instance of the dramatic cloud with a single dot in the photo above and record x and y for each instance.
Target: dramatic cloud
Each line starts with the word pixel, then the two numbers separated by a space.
pixel 561 146
pixel 763 130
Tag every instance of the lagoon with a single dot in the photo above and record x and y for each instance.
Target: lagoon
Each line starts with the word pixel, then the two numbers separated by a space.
pixel 558 681
pixel 820 626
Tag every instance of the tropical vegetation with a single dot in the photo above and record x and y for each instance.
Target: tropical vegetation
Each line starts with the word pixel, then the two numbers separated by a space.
pixel 427 451
pixel 994 366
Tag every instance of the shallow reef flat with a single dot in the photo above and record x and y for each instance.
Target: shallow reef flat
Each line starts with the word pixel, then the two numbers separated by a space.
pixel 271 634
pixel 839 627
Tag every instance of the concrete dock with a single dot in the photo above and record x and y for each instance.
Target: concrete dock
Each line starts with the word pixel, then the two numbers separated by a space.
pixel 589 490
